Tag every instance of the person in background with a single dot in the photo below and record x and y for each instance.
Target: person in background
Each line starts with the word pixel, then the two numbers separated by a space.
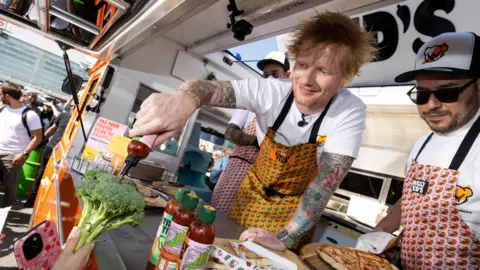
pixel 15 142
pixel 46 115
pixel 242 132
pixel 440 205
pixel 313 129
pixel 219 167
pixel 54 134
pixel 31 100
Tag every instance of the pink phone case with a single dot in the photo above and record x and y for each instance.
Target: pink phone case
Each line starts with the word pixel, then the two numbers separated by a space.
pixel 50 252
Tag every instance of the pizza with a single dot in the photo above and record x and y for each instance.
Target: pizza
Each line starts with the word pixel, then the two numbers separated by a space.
pixel 345 258
pixel 249 255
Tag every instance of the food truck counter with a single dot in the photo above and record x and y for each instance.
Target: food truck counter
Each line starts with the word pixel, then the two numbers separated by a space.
pixel 129 248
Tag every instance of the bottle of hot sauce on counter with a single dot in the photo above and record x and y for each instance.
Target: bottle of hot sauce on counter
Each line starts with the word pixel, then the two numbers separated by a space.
pixel 200 237
pixel 139 148
pixel 173 246
pixel 170 209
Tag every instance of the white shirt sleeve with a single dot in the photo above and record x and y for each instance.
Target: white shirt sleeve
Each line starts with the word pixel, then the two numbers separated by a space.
pixel 240 118
pixel 33 121
pixel 260 95
pixel 347 137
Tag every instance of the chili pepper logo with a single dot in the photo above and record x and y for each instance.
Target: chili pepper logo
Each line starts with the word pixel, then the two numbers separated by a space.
pixel 434 53
pixel 462 194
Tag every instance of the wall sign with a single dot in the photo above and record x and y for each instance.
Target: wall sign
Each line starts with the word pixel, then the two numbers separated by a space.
pixel 403 28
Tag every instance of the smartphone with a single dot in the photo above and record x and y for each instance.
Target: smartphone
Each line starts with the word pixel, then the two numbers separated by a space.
pixel 39 248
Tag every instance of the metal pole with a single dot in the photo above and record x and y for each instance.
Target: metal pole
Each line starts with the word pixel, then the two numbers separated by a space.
pixel 74 92
pixel 58 199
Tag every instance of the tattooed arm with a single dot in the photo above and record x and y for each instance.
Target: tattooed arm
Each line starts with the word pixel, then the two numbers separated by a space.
pixel 332 169
pixel 238 137
pixel 214 93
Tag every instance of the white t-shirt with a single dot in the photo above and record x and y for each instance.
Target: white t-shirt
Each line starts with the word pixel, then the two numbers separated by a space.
pixel 343 124
pixel 14 136
pixel 440 151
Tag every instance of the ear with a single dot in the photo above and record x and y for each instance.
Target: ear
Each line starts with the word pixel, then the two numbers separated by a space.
pixel 287 74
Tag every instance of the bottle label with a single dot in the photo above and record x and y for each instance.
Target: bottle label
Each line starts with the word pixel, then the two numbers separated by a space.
pixel 160 239
pixel 196 255
pixel 175 238
pixel 166 265
pixel 148 140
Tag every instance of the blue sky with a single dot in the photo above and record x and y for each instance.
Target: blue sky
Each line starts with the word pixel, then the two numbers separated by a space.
pixel 256 50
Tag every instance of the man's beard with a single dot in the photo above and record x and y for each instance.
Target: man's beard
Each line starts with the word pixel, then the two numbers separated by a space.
pixel 457 120
pixel 5 101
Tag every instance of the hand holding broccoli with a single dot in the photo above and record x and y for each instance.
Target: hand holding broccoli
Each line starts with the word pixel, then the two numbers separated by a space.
pixel 107 204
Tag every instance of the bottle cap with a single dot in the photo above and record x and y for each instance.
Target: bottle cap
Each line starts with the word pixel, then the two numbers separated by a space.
pixel 180 193
pixel 190 201
pixel 207 214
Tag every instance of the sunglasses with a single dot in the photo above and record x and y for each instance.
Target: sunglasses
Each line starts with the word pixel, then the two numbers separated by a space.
pixel 274 74
pixel 444 95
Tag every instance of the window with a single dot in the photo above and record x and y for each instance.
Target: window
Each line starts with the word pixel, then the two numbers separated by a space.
pixel 395 191
pixel 362 184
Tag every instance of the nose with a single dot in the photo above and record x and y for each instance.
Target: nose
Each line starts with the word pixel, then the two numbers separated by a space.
pixel 433 102
pixel 308 76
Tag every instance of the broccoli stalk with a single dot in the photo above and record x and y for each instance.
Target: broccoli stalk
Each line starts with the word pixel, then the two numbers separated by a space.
pixel 107 204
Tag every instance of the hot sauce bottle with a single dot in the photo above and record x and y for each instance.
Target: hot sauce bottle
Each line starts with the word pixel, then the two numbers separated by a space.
pixel 173 246
pixel 138 149
pixel 170 209
pixel 200 237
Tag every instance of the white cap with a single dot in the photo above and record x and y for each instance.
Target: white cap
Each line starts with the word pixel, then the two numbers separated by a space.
pixel 454 53
pixel 275 57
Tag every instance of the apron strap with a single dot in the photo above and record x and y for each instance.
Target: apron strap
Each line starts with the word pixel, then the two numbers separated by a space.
pixel 283 113
pixel 423 146
pixel 465 146
pixel 318 123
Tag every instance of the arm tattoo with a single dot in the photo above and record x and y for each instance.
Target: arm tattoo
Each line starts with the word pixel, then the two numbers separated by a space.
pixel 215 93
pixel 332 168
pixel 238 137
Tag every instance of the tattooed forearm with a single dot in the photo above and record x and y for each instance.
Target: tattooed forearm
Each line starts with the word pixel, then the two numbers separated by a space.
pixel 214 93
pixel 332 168
pixel 238 137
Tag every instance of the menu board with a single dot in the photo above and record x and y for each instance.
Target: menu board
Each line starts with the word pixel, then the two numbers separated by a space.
pixel 106 142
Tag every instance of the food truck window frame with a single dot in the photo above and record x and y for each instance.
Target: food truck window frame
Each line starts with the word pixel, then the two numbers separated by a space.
pixel 382 198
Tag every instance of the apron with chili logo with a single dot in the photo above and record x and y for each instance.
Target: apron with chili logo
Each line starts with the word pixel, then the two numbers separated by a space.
pixel 241 159
pixel 273 186
pixel 435 235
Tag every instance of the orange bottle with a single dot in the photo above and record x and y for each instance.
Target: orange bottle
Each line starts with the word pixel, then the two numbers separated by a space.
pixel 200 237
pixel 173 246
pixel 139 148
pixel 170 209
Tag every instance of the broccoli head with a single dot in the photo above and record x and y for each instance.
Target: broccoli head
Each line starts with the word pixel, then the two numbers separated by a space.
pixel 107 204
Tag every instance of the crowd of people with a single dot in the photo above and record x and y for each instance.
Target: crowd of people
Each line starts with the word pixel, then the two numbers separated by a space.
pixel 27 124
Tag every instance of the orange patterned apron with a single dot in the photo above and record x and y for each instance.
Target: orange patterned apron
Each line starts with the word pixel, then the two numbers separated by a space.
pixel 435 235
pixel 273 186
pixel 227 185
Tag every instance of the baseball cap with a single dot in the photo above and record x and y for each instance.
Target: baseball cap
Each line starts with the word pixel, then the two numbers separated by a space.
pixel 275 57
pixel 453 53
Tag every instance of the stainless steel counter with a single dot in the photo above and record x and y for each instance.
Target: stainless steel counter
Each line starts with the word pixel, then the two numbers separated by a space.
pixel 343 219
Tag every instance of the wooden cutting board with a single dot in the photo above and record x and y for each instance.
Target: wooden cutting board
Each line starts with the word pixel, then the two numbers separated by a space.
pixel 309 255
pixel 225 245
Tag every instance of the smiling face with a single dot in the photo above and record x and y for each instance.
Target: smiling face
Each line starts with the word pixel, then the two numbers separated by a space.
pixel 316 78
pixel 448 117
